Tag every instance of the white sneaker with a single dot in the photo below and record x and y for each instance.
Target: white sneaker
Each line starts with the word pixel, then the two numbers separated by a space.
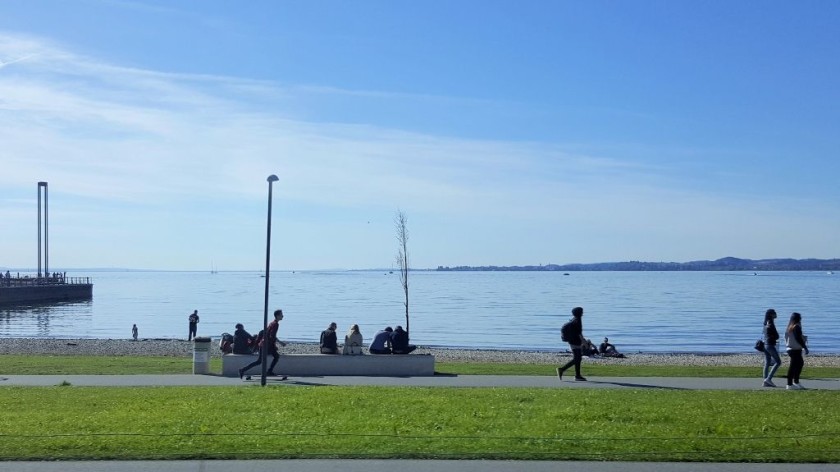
pixel 791 387
pixel 799 386
pixel 769 383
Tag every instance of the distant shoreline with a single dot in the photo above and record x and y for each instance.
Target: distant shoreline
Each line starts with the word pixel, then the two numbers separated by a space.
pixel 725 264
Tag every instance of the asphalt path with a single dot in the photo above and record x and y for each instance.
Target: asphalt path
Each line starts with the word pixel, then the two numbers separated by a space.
pixel 531 381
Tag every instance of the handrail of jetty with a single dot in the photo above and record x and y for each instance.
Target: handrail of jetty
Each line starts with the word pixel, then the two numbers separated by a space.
pixel 27 281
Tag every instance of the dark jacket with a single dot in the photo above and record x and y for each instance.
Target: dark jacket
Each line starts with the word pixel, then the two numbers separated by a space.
pixel 243 342
pixel 399 340
pixel 576 337
pixel 329 341
pixel 771 335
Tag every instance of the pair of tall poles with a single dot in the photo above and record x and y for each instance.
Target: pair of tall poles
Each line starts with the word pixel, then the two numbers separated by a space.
pixel 271 179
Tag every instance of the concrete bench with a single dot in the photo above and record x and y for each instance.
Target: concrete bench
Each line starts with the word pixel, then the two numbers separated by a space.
pixel 303 365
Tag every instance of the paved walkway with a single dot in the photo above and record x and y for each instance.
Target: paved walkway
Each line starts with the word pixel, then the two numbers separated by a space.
pixel 670 383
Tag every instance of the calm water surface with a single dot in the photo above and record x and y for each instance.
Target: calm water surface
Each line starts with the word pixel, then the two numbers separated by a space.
pixel 639 311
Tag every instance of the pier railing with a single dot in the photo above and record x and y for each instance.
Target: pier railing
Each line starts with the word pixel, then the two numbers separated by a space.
pixel 37 281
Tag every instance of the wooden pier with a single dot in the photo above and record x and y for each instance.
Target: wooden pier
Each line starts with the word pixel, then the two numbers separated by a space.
pixel 26 290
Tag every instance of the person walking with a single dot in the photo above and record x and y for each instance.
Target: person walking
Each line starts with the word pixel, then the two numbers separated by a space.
pixel 134 332
pixel 193 320
pixel 269 342
pixel 796 342
pixel 772 361
pixel 572 333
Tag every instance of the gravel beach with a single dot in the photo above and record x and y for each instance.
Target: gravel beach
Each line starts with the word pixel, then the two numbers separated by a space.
pixel 184 348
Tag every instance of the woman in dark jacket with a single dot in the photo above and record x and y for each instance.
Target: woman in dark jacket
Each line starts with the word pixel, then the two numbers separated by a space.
pixel 796 342
pixel 772 361
pixel 243 342
pixel 329 340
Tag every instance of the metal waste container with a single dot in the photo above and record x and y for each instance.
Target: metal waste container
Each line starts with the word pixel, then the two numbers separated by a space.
pixel 201 355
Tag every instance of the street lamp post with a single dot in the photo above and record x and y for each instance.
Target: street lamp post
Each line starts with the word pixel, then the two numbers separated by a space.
pixel 264 352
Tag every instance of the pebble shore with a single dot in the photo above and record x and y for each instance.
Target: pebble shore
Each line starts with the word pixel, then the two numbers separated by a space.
pixel 184 348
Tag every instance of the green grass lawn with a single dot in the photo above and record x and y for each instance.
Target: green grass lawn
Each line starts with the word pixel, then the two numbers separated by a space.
pixel 66 422
pixel 69 365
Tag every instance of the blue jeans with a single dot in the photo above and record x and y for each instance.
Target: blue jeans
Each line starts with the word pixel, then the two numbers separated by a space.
pixel 772 361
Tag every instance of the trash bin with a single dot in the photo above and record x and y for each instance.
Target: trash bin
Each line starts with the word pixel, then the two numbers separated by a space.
pixel 201 355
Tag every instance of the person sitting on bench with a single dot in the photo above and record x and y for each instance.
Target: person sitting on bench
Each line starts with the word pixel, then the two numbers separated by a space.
pixel 329 340
pixel 399 342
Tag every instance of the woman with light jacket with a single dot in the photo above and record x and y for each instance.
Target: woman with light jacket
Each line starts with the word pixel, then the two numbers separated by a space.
pixel 796 342
pixel 353 341
pixel 772 361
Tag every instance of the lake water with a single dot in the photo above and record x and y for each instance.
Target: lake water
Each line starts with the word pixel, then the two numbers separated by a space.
pixel 639 311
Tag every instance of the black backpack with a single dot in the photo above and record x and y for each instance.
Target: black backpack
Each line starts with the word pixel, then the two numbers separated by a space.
pixel 567 331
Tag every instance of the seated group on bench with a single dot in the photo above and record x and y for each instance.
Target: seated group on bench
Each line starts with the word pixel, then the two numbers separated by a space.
pixel 352 341
pixel 387 341
pixel 391 341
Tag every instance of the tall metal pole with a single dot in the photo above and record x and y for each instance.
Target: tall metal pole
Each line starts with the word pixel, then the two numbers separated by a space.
pixel 264 352
pixel 39 229
pixel 46 245
pixel 46 232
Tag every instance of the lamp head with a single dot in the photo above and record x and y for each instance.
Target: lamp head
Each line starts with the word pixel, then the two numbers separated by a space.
pixel 272 178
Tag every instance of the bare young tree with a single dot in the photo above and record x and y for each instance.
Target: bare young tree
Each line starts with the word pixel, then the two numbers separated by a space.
pixel 400 222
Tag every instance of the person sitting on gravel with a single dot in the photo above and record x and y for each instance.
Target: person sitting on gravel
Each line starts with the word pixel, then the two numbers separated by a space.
pixel 608 350
pixel 588 348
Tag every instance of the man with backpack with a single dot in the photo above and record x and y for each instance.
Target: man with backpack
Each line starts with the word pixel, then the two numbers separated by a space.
pixel 572 333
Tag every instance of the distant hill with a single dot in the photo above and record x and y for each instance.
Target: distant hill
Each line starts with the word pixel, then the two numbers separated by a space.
pixel 725 264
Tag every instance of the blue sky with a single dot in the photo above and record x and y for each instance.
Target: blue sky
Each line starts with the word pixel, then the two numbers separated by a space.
pixel 510 133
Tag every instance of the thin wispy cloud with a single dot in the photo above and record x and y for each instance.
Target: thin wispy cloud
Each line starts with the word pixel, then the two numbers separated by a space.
pixel 202 145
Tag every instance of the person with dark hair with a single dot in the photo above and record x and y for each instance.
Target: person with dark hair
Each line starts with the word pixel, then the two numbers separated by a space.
pixel 268 343
pixel 399 342
pixel 193 320
pixel 243 341
pixel 607 349
pixel 381 343
pixel 573 334
pixel 796 342
pixel 329 340
pixel 772 361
